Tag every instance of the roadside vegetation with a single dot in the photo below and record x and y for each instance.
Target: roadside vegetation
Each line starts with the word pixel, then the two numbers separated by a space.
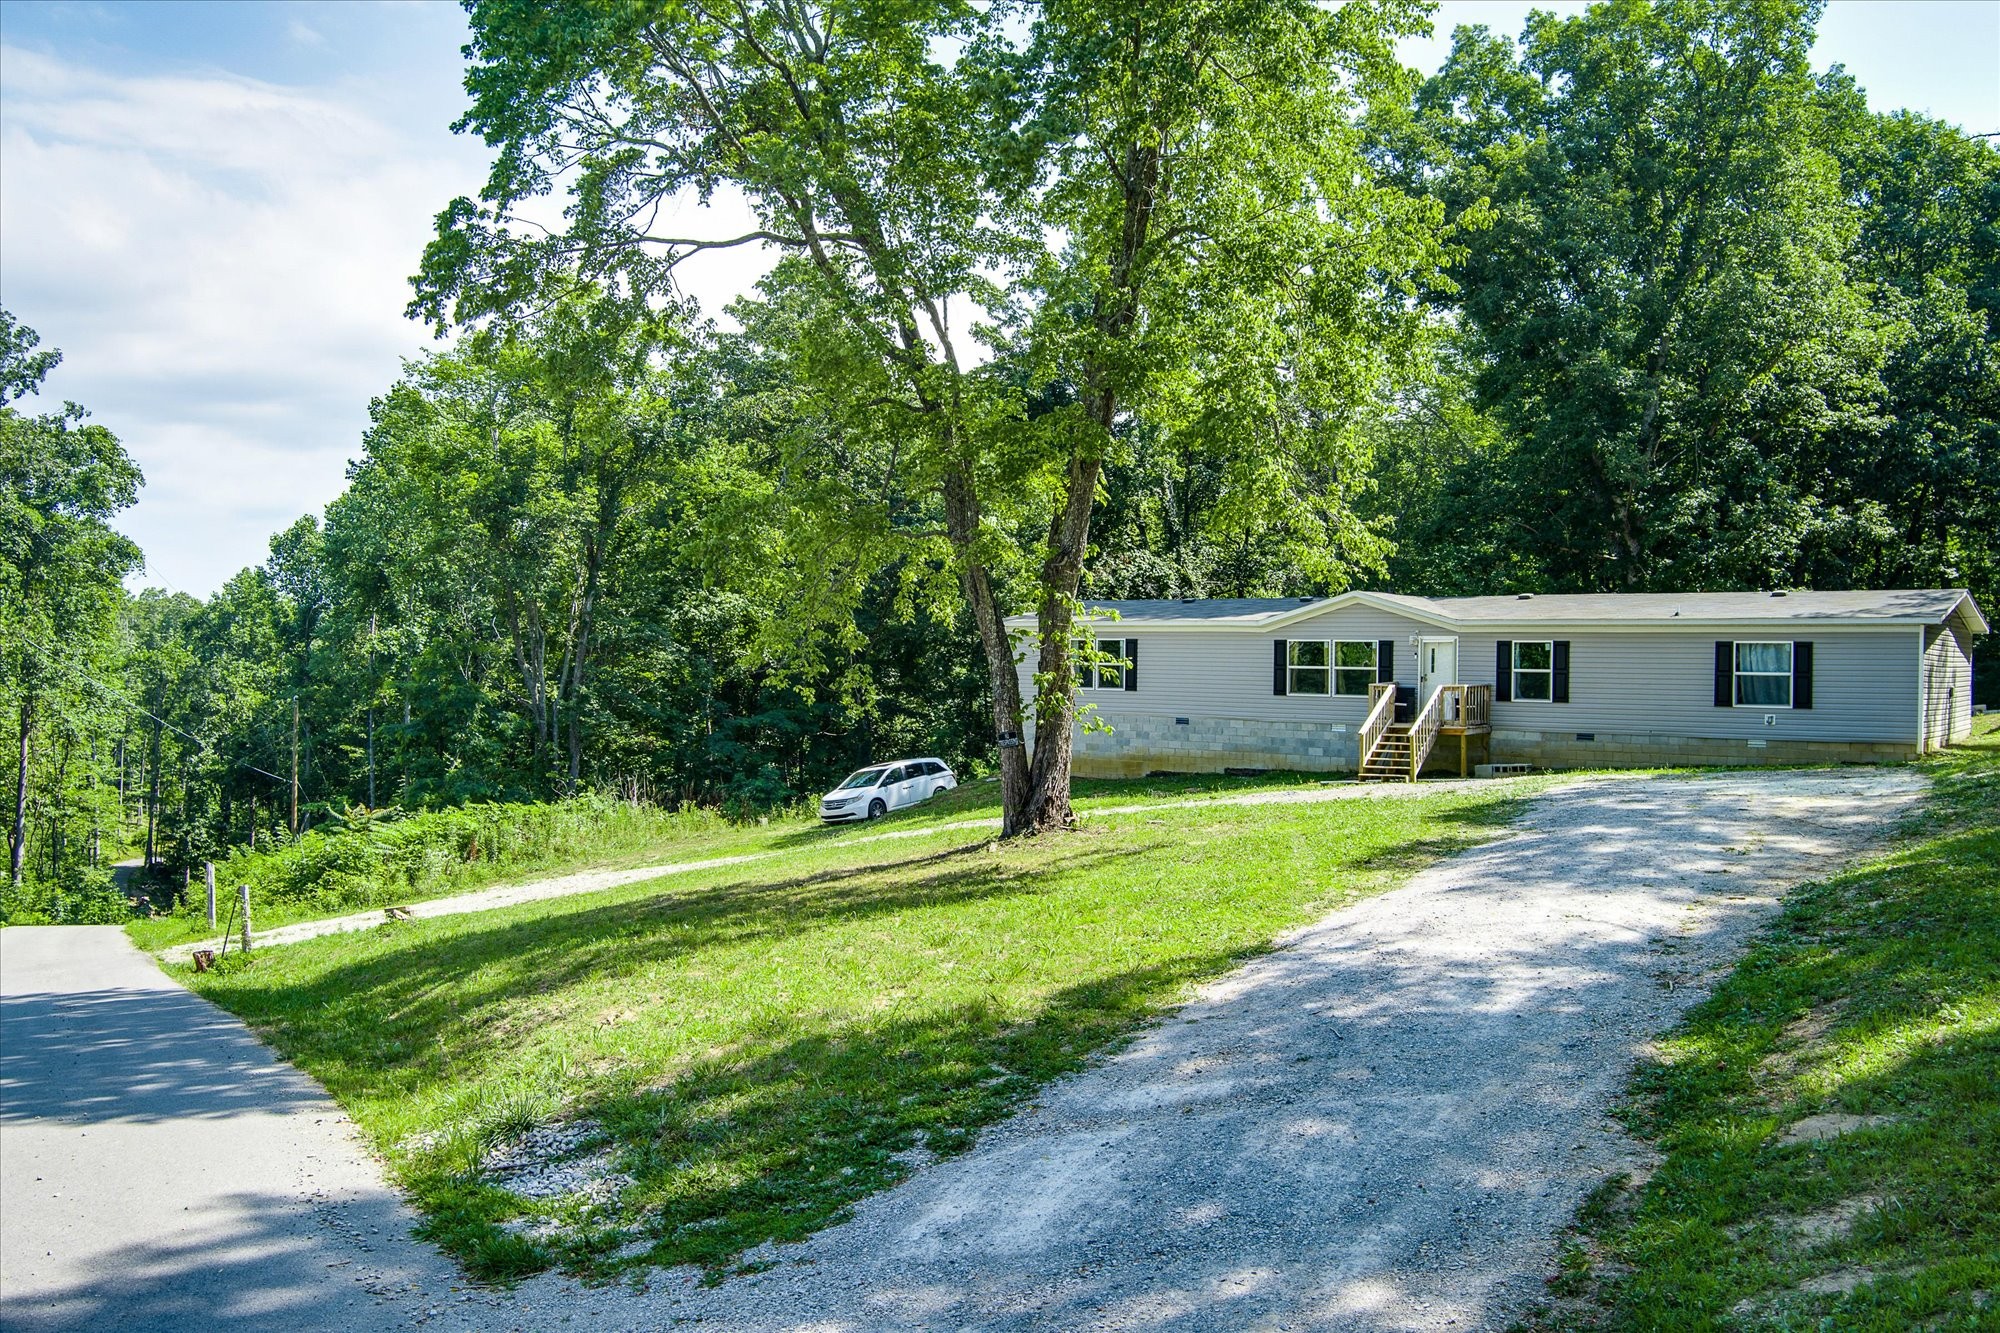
pixel 373 859
pixel 756 1047
pixel 370 859
pixel 1828 1122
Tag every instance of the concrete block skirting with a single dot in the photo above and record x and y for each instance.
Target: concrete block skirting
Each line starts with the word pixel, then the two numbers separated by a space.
pixel 1139 744
pixel 1548 749
pixel 1144 743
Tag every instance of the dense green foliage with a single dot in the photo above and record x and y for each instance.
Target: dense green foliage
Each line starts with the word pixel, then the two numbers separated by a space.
pixel 363 860
pixel 1728 329
pixel 1228 305
pixel 1876 996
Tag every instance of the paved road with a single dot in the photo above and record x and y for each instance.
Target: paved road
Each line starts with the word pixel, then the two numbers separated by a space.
pixel 161 1169
pixel 1379 1126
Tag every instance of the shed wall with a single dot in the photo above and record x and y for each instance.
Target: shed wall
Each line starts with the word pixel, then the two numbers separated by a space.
pixel 1947 686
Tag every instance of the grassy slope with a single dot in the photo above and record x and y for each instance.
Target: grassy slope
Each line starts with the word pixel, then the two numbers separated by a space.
pixel 1877 993
pixel 760 1041
pixel 978 800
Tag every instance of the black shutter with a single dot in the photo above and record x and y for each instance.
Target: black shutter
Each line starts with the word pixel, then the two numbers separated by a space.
pixel 1802 673
pixel 1132 664
pixel 1385 659
pixel 1559 677
pixel 1278 666
pixel 1503 671
pixel 1725 674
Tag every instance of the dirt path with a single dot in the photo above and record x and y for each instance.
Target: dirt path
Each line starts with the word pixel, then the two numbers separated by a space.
pixel 1380 1126
pixel 591 881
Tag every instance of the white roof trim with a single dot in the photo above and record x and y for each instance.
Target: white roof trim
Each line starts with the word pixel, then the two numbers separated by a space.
pixel 1964 608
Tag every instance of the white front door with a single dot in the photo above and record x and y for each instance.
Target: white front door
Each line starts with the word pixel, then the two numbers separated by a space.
pixel 1437 664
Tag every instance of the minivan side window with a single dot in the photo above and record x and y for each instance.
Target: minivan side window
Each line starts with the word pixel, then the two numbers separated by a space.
pixel 894 775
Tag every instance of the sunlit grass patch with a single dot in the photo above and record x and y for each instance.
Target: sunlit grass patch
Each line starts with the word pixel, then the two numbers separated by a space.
pixel 764 1045
pixel 1830 1117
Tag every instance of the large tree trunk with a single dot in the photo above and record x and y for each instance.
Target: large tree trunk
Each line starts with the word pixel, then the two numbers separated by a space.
pixel 1062 573
pixel 17 838
pixel 961 508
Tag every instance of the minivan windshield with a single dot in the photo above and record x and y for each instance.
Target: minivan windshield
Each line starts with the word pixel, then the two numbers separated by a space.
pixel 865 778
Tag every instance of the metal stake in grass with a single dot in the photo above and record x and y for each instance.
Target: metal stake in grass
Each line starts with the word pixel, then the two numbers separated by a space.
pixel 243 892
pixel 208 874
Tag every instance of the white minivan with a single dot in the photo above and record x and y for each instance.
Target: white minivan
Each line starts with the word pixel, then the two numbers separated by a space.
pixel 875 791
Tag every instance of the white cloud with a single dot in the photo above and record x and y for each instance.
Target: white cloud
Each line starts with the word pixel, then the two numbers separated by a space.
pixel 223 263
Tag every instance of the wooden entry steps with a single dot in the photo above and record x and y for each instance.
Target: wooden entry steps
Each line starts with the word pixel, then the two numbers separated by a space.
pixel 1394 751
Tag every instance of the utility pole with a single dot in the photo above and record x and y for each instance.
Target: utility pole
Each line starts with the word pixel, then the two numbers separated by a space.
pixel 371 710
pixel 295 766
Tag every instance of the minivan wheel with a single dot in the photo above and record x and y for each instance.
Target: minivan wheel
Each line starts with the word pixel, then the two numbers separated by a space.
pixel 939 790
pixel 876 809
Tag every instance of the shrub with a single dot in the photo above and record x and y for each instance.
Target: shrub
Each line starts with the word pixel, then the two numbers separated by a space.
pixel 367 860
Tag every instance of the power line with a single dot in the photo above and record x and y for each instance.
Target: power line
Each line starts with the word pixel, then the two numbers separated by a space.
pixel 116 697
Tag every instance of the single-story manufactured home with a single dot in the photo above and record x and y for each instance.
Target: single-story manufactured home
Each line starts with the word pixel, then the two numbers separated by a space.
pixel 1385 684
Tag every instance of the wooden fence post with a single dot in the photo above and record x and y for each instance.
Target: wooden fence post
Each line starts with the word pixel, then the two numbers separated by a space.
pixel 208 874
pixel 243 895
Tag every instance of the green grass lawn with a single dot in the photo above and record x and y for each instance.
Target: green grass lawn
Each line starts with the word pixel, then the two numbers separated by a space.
pixel 761 1042
pixel 1876 994
pixel 700 841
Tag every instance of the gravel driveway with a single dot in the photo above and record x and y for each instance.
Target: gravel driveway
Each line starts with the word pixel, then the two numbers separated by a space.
pixel 1380 1126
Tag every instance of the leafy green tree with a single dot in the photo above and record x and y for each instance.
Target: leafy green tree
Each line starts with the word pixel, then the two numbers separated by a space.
pixel 62 479
pixel 1163 204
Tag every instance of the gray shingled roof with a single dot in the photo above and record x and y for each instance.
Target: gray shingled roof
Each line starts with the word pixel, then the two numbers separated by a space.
pixel 1929 606
pixel 1248 610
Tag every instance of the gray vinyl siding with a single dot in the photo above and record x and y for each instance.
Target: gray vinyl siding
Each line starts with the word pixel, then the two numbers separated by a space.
pixel 1663 683
pixel 1866 680
pixel 1947 686
pixel 1228 673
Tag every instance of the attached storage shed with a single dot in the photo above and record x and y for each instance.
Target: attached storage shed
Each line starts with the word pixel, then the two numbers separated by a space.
pixel 1555 680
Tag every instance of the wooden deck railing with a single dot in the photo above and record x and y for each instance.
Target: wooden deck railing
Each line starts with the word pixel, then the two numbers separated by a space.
pixel 1466 707
pixel 1381 712
pixel 1424 732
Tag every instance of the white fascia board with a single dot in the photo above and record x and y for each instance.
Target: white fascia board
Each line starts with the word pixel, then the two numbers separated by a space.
pixel 1280 619
pixel 1780 628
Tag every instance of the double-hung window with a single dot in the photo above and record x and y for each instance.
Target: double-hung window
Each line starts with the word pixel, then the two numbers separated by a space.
pixel 1764 675
pixel 1534 669
pixel 1353 666
pixel 1112 672
pixel 1309 664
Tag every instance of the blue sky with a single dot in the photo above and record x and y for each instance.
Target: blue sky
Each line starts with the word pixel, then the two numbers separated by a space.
pixel 213 208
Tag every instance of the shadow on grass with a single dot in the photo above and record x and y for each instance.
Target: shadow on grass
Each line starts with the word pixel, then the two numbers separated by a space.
pixel 375 1023
pixel 735 1152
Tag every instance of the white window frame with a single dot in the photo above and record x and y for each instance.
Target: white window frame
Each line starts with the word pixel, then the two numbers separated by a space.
pixel 1737 673
pixel 1293 668
pixel 1515 671
pixel 1091 674
pixel 1374 667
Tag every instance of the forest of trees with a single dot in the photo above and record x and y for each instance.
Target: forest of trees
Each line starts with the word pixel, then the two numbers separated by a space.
pixel 1072 301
